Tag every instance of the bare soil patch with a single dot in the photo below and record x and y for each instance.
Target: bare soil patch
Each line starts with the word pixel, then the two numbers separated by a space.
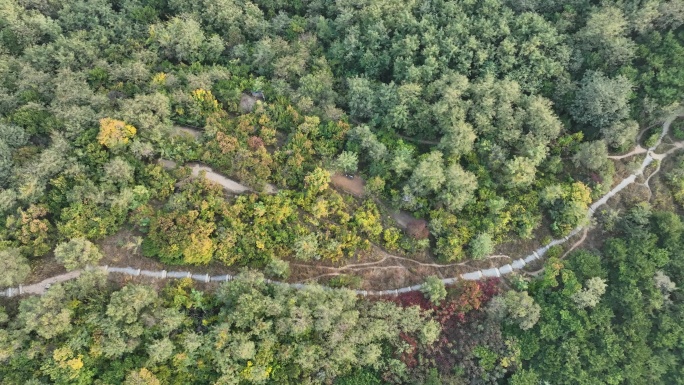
pixel 44 268
pixel 403 218
pixel 353 186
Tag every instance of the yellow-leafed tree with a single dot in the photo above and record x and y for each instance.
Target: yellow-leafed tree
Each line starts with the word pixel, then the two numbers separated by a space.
pixel 115 133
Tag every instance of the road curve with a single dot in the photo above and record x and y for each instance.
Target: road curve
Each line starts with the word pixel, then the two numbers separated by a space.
pixel 41 287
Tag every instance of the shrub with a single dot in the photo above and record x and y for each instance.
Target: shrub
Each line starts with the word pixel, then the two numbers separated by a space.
pixel 15 267
pixel 554 251
pixel 77 253
pixel 391 236
pixel 481 246
pixel 678 129
pixel 434 289
pixel 652 140
pixel 345 280
pixel 306 247
pixel 278 268
pixel 359 377
pixel 418 229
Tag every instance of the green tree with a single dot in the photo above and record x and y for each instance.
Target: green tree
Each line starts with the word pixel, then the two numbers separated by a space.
pixel 362 98
pixel 620 135
pixel 48 315
pixel 369 142
pixel 458 139
pixel 481 246
pixel 141 377
pixel 347 162
pixel 5 163
pixel 13 136
pixel 183 39
pixel 149 113
pixel 14 266
pixel 520 172
pixel 129 312
pixel 159 351
pixel 459 187
pixel 316 182
pixel 605 35
pixel 428 176
pixel 118 171
pixel 601 101
pixel 434 289
pixel 278 268
pixel 592 155
pixel 77 253
pixel 524 377
pixel 402 159
pixel 591 294
pixel 515 307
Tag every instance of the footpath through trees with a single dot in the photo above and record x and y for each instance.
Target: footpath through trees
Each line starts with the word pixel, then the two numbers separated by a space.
pixel 41 287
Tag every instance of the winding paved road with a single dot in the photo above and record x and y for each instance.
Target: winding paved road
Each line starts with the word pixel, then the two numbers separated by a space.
pixel 40 287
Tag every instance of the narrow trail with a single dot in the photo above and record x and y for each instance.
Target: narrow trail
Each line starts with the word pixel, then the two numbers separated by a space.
pixel 637 150
pixel 659 158
pixel 345 267
pixel 570 250
pixel 210 174
pixel 577 244
pixel 40 287
pixel 646 182
pixel 402 218
pixel 386 256
pixel 213 176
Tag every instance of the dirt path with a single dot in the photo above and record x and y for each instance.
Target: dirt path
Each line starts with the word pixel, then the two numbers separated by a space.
pixel 217 178
pixel 637 150
pixel 40 287
pixel 402 217
pixel 676 146
pixel 354 186
pixel 578 243
pixel 224 182
pixel 213 176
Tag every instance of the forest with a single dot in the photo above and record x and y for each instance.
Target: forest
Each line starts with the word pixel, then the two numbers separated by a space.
pixel 310 147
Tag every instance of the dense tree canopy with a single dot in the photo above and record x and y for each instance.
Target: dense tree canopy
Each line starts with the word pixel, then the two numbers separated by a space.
pixel 247 331
pixel 609 317
pixel 492 121
pixel 444 106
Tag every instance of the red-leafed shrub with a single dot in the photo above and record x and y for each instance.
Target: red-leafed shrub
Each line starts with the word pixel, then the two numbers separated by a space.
pixel 459 317
pixel 413 298
pixel 255 142
pixel 462 298
pixel 408 357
